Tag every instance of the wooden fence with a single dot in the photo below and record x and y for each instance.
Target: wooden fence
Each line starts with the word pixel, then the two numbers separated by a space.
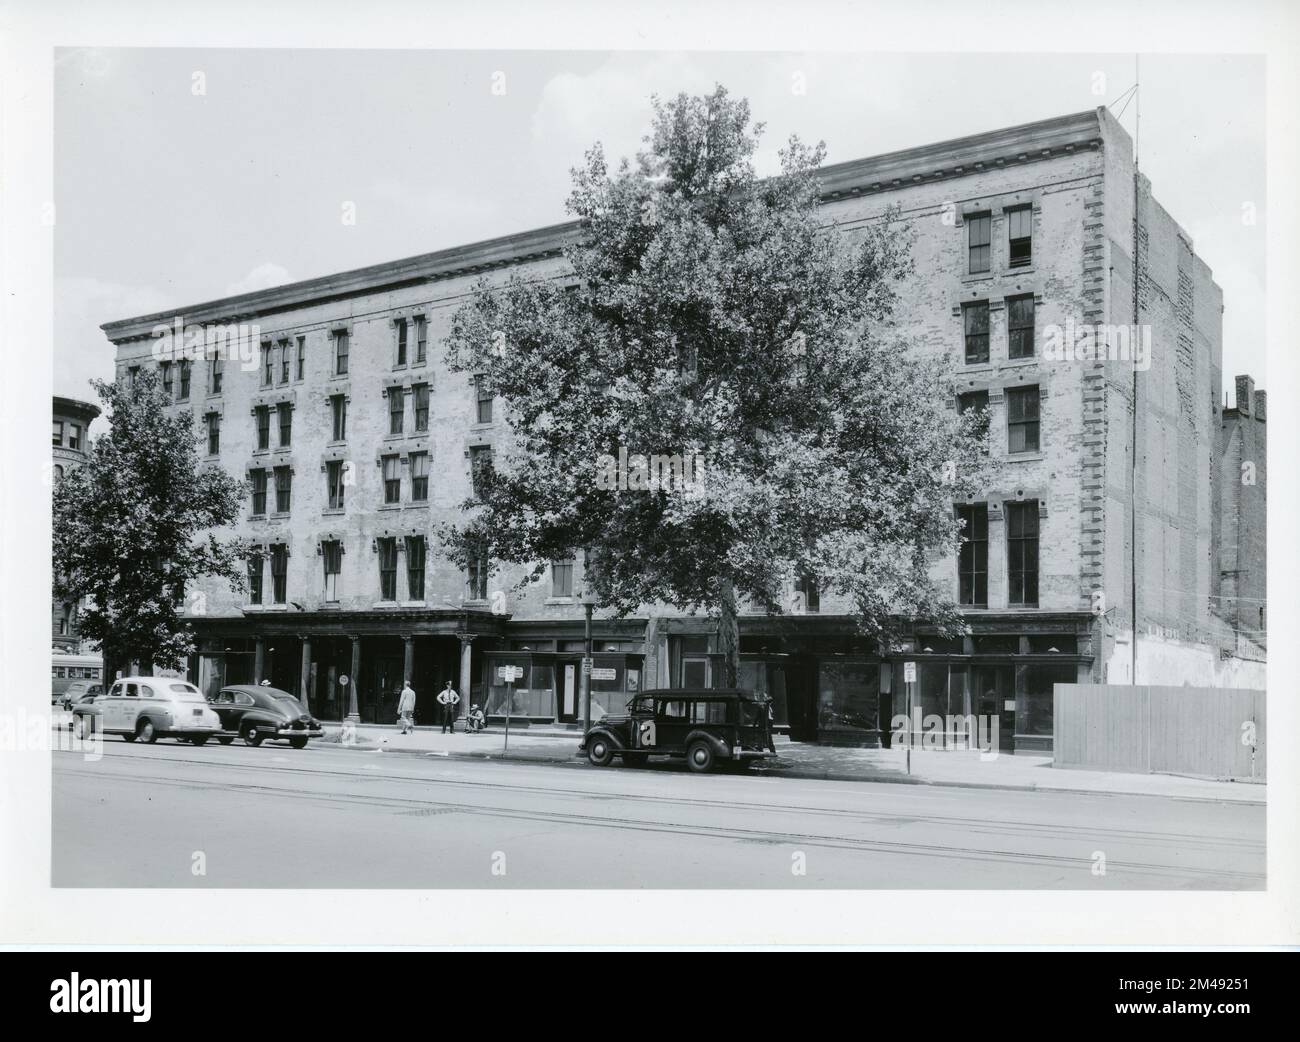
pixel 1214 732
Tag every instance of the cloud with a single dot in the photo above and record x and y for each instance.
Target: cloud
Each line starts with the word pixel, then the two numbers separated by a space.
pixel 263 276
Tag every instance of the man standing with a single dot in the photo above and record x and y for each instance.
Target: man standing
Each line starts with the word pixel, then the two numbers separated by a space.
pixel 406 708
pixel 449 700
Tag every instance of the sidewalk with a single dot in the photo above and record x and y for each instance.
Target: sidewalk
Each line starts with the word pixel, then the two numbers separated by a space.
pixel 829 763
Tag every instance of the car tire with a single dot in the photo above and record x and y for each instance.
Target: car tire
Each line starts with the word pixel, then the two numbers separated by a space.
pixel 600 751
pixel 199 739
pixel 128 738
pixel 251 736
pixel 700 757
pixel 225 739
pixel 297 743
pixel 635 759
pixel 145 731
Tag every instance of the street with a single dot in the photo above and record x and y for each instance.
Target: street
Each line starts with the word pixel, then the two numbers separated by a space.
pixel 171 815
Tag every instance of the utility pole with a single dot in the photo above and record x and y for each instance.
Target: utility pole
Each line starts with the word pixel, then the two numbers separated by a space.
pixel 588 603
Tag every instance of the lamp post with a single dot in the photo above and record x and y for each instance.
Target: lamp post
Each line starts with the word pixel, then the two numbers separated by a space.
pixel 588 603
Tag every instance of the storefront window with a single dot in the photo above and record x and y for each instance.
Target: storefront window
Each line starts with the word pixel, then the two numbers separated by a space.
pixel 848 696
pixel 1034 688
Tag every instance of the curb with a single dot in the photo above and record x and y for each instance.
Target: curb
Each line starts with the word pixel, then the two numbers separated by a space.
pixel 578 761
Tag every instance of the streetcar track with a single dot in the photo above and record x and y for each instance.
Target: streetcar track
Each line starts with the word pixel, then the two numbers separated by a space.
pixel 1065 831
pixel 409 805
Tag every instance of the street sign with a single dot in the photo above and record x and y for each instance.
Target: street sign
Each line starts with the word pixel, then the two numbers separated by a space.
pixel 586 667
pixel 909 672
pixel 510 673
pixel 344 680
pixel 604 674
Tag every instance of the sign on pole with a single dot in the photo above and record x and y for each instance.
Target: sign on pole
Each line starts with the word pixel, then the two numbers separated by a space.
pixel 604 673
pixel 909 672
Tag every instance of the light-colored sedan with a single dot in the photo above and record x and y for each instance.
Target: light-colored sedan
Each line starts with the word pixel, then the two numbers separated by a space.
pixel 148 708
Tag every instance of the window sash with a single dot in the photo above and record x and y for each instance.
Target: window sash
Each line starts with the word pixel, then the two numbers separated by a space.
pixel 1020 237
pixel 401 341
pixel 263 427
pixel 562 578
pixel 285 415
pixel 283 489
pixel 259 491
pixel 279 569
pixel 388 568
pixel 975 324
pixel 421 339
pixel 302 357
pixel 215 376
pixel 255 579
pixel 185 380
pixel 339 416
pixel 484 397
pixel 341 347
pixel 419 476
pixel 420 404
pixel 979 231
pixel 415 552
pixel 1022 419
pixel 1020 327
pixel 973 556
pixel 392 479
pixel 214 434
pixel 1022 552
pixel 396 410
pixel 334 483
pixel 267 366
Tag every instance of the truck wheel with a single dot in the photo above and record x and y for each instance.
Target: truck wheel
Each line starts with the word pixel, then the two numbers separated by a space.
pixel 297 743
pixel 699 757
pixel 146 732
pixel 600 752
pixel 252 736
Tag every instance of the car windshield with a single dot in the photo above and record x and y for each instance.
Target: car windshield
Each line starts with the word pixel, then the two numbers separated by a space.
pixel 185 693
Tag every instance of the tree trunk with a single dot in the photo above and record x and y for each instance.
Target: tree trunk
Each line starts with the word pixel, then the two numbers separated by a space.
pixel 728 633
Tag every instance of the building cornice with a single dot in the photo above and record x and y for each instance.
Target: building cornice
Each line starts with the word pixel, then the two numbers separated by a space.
pixel 955 158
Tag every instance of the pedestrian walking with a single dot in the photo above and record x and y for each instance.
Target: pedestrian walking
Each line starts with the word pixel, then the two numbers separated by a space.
pixel 406 708
pixel 448 700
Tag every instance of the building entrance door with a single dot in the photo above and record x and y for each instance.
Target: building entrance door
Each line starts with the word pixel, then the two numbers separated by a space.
pixel 566 692
pixel 993 698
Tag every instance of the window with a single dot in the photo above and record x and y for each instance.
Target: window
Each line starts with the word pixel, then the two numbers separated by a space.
pixel 74 435
pixel 284 361
pixel 214 375
pixel 339 416
pixel 259 491
pixel 58 433
pixel 396 409
pixel 185 380
pixel 132 374
pixel 1022 553
pixel 975 322
pixel 420 403
pixel 392 479
pixel 284 413
pixel 388 568
pixel 283 489
pixel 168 380
pixel 332 554
pixel 483 396
pixel 477 578
pixel 1020 327
pixel 334 471
pixel 480 467
pixel 279 567
pixel 214 433
pixel 302 357
pixel 419 477
pixel 267 365
pixel 415 567
pixel 263 414
pixel 810 592
pixel 562 577
pixel 401 341
pixel 421 339
pixel 979 229
pixel 341 346
pixel 255 579
pixel 973 557
pixel 975 400
pixel 1020 236
pixel 1022 419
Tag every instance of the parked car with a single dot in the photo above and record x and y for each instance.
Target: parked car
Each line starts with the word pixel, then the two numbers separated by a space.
pixel 702 725
pixel 259 713
pixel 149 708
pixel 85 711
pixel 78 689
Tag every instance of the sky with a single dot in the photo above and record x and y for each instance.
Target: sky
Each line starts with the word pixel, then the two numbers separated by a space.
pixel 186 175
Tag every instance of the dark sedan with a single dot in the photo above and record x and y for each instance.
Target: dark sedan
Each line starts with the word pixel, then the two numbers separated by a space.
pixel 257 714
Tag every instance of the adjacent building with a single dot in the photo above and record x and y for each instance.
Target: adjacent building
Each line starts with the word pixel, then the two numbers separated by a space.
pixel 72 420
pixel 1065 300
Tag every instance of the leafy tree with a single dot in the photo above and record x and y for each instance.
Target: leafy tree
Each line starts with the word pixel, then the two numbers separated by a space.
pixel 715 315
pixel 138 523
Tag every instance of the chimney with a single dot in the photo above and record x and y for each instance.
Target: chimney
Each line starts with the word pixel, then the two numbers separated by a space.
pixel 1245 392
pixel 1261 401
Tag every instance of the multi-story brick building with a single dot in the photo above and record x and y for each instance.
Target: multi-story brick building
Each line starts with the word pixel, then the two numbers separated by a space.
pixel 358 440
pixel 1242 548
pixel 72 420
